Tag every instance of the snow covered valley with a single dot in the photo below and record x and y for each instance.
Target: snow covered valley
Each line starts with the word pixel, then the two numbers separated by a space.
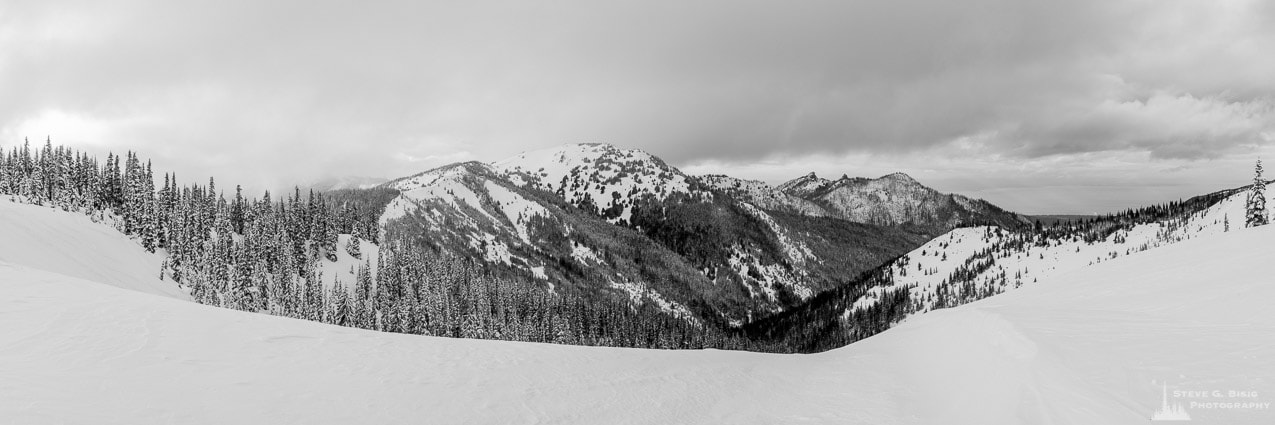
pixel 1185 325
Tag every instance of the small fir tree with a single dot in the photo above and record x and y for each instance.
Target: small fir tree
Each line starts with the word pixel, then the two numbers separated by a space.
pixel 352 247
pixel 1256 207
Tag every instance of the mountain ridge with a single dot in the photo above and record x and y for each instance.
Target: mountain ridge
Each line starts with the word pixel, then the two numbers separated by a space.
pixel 897 199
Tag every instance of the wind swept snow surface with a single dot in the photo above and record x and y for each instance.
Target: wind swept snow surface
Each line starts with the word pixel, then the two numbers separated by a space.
pixel 70 243
pixel 1092 346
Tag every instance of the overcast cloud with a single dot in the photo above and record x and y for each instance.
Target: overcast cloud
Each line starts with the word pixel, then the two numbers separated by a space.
pixel 1041 106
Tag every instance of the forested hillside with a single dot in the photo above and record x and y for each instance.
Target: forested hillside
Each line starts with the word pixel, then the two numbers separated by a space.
pixel 598 220
pixel 269 255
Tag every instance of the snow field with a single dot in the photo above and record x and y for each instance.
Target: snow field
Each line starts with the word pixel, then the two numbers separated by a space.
pixel 1090 346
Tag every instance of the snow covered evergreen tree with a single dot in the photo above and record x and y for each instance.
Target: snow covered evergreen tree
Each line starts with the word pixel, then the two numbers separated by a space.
pixel 1256 206
pixel 237 210
pixel 352 247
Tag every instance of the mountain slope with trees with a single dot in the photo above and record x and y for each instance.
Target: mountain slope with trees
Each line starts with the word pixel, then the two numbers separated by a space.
pixel 972 263
pixel 660 238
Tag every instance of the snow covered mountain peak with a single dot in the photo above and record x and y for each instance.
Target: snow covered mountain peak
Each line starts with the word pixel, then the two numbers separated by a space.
pixel 804 185
pixel 446 172
pixel 574 154
pixel 900 178
pixel 893 199
pixel 897 198
pixel 597 176
pixel 813 185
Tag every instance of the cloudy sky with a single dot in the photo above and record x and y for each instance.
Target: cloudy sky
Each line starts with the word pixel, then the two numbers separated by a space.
pixel 1039 106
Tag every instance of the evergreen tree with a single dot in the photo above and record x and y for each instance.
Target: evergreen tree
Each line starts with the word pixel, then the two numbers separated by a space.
pixel 352 247
pixel 1255 208
pixel 237 210
pixel 149 221
pixel 339 305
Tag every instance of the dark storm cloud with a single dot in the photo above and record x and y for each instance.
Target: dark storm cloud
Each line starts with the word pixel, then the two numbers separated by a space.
pixel 388 88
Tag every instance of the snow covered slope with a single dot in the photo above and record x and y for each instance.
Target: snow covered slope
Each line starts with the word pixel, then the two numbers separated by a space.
pixel 978 261
pixel 464 205
pixel 1094 346
pixel 72 244
pixel 345 268
pixel 473 210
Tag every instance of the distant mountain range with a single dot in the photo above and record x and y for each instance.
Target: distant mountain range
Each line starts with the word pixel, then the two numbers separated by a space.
pixel 891 200
pixel 341 183
pixel 598 220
